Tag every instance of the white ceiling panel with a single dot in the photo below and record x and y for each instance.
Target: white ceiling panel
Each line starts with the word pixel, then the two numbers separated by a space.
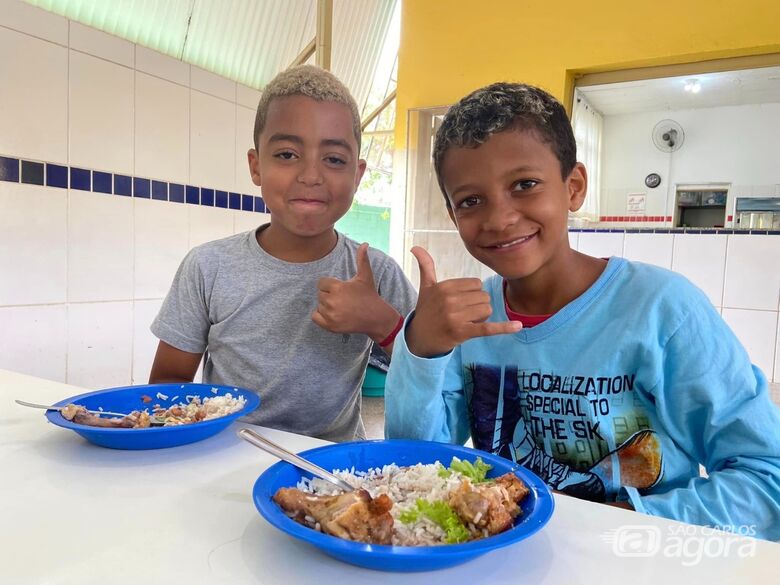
pixel 730 88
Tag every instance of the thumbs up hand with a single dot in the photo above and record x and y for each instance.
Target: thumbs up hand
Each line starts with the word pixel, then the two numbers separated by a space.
pixel 354 306
pixel 449 312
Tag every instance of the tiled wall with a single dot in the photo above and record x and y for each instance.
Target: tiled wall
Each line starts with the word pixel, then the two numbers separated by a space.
pixel 129 159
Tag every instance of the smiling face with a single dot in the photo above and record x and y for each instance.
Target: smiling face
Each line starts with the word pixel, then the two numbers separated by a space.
pixel 308 166
pixel 510 204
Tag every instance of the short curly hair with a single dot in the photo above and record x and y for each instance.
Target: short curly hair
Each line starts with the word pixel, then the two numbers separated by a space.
pixel 501 106
pixel 310 81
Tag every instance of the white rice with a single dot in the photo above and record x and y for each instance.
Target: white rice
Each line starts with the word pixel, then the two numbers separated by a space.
pixel 216 406
pixel 404 486
pixel 210 407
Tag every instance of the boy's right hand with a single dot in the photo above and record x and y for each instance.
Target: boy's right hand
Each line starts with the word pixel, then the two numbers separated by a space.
pixel 449 312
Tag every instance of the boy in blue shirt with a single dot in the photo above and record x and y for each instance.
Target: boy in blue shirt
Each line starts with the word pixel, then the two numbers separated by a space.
pixel 612 380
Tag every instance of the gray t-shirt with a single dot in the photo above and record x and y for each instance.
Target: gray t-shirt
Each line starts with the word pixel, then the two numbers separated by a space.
pixel 251 313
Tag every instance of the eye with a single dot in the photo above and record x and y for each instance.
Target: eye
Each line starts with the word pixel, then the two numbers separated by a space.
pixel 285 155
pixel 468 202
pixel 525 184
pixel 335 160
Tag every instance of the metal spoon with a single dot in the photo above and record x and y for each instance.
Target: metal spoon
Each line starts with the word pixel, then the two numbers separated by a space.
pixel 60 408
pixel 269 446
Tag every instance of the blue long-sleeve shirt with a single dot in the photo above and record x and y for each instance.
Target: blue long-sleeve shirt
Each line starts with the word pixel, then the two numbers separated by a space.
pixel 622 393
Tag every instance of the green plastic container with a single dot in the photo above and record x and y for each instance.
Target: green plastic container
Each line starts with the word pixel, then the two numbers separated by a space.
pixel 374 382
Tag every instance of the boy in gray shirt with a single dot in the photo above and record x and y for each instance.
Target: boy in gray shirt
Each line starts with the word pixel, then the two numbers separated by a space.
pixel 290 309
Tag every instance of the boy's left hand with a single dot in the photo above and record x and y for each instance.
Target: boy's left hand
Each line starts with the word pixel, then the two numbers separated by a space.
pixel 354 306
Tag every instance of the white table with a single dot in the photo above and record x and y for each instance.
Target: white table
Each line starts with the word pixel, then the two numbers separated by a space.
pixel 74 513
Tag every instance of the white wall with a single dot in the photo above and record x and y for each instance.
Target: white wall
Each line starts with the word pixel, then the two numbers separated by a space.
pixel 737 145
pixel 82 274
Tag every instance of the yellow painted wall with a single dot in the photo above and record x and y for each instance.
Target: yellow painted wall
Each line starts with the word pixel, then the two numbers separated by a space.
pixel 450 47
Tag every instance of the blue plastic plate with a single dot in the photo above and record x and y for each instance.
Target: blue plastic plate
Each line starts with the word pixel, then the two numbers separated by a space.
pixel 129 398
pixel 537 507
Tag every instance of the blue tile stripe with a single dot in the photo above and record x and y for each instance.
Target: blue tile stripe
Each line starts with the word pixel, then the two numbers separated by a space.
pixel 56 176
pixel 102 182
pixel 9 169
pixel 16 170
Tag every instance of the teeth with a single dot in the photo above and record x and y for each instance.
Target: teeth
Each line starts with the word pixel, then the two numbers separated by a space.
pixel 512 243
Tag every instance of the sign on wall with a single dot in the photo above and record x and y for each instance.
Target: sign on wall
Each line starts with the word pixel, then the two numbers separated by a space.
pixel 635 203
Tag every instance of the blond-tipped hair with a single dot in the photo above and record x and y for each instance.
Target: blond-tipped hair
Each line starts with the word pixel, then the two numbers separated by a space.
pixel 310 81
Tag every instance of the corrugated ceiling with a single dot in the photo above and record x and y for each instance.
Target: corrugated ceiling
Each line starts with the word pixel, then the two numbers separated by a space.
pixel 248 41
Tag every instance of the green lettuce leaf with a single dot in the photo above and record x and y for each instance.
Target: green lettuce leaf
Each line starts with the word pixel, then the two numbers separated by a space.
pixel 476 472
pixel 443 515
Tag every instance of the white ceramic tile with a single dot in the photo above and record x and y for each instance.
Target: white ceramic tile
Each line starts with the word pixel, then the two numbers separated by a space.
pixel 212 142
pixel 162 66
pixel 209 223
pixel 752 274
pixel 485 272
pixel 34 341
pixel 101 114
pixel 449 256
pixel 144 342
pixel 601 244
pixel 245 123
pixel 574 240
pixel 757 330
pixel 33 97
pixel 95 42
pixel 100 339
pixel 162 128
pixel 247 96
pixel 33 21
pixel 33 244
pixel 649 248
pixel 161 238
pixel 100 247
pixel 212 84
pixel 702 259
pixel 245 221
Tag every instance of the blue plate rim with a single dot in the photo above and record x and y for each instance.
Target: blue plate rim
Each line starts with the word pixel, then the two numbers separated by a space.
pixel 56 418
pixel 539 517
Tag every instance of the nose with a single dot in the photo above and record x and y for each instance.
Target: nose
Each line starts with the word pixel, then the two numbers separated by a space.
pixel 310 173
pixel 500 213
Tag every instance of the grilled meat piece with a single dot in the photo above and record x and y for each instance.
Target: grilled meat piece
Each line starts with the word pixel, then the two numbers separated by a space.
pixel 491 506
pixel 352 516
pixel 515 488
pixel 79 415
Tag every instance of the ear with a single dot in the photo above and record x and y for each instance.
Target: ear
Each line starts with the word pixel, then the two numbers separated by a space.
pixel 253 158
pixel 577 185
pixel 359 171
